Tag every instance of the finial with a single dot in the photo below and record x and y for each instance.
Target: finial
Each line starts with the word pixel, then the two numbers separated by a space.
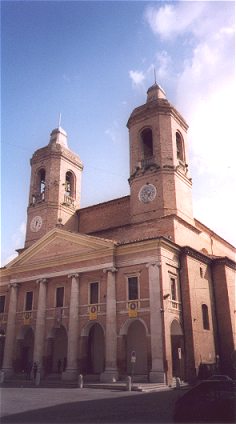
pixel 59 120
pixel 155 77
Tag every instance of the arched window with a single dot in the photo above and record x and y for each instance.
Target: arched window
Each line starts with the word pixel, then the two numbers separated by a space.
pixel 146 137
pixel 40 186
pixel 205 317
pixel 179 147
pixel 70 185
pixel 42 181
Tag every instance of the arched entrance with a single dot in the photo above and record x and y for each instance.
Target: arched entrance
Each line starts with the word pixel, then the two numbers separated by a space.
pixel 137 346
pixel 25 349
pixel 177 349
pixel 56 350
pixel 95 350
pixel 2 345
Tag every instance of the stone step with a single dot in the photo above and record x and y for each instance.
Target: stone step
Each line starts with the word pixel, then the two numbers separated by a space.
pixel 150 387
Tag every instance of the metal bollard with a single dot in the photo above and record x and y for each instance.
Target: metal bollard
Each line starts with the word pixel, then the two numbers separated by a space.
pixel 37 380
pixel 178 386
pixel 129 384
pixel 2 377
pixel 81 381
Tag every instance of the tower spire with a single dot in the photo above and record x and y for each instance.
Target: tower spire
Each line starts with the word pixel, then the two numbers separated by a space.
pixel 155 77
pixel 59 120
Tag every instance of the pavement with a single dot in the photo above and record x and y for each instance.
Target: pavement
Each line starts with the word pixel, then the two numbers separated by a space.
pixel 73 405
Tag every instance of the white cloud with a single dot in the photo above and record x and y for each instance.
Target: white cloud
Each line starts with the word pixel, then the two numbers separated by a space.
pixel 137 77
pixel 205 95
pixel 171 20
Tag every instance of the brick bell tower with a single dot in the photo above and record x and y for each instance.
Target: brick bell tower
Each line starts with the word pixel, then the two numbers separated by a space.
pixel 159 180
pixel 55 188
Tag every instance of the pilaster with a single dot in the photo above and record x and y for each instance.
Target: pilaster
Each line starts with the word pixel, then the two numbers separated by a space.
pixel 157 371
pixel 10 331
pixel 73 329
pixel 40 322
pixel 110 374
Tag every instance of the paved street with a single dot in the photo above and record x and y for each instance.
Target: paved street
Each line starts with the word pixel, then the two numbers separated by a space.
pixel 50 405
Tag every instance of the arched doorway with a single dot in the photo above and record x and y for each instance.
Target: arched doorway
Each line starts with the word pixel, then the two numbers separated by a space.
pixel 177 349
pixel 2 345
pixel 137 346
pixel 56 350
pixel 95 350
pixel 25 349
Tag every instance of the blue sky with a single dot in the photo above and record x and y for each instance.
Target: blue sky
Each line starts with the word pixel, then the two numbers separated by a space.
pixel 93 62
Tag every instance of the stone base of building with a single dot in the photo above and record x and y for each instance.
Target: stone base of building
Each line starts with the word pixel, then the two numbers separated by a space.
pixel 109 376
pixel 5 373
pixel 69 375
pixel 157 377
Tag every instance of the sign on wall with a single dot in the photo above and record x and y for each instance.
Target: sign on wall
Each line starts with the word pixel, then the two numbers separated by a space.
pixel 133 309
pixel 93 312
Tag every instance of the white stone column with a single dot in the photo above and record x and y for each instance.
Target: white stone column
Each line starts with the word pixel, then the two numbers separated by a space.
pixel 73 329
pixel 10 331
pixel 40 323
pixel 157 372
pixel 110 374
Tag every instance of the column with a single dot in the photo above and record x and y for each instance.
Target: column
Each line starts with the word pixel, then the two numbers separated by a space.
pixel 110 374
pixel 157 371
pixel 40 323
pixel 73 328
pixel 10 331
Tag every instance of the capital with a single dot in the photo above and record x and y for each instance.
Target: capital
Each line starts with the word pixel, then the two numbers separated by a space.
pixel 74 275
pixel 13 285
pixel 155 264
pixel 111 269
pixel 41 281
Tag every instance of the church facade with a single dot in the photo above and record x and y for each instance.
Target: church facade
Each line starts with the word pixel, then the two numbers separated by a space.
pixel 133 286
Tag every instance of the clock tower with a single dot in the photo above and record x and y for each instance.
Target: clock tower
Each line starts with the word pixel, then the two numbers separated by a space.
pixel 55 188
pixel 159 180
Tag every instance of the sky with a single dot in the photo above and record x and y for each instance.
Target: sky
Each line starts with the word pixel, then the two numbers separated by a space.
pixel 93 61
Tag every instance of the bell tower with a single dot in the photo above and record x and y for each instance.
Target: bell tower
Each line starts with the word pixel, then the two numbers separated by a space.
pixel 159 180
pixel 55 188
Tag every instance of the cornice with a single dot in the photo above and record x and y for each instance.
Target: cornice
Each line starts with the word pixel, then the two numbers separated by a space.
pixel 160 106
pixel 225 261
pixel 58 262
pixel 189 251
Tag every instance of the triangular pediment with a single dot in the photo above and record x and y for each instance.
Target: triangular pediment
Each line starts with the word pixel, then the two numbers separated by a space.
pixel 61 245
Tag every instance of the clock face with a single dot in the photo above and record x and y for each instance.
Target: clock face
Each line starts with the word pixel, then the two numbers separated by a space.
pixel 147 193
pixel 36 223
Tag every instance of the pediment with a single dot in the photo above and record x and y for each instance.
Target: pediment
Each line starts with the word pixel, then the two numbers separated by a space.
pixel 62 245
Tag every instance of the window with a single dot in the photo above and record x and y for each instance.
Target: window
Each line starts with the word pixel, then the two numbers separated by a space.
pixel 205 317
pixel 29 301
pixel 59 297
pixel 69 184
pixel 132 288
pixel 2 304
pixel 93 299
pixel 41 181
pixel 173 288
pixel 146 136
pixel 39 194
pixel 179 147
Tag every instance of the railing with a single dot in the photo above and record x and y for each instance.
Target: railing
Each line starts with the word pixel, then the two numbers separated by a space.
pixel 173 304
pixel 68 200
pixel 147 162
pixel 38 197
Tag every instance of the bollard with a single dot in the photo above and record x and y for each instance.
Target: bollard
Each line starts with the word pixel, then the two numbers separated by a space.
pixel 81 381
pixel 129 384
pixel 178 386
pixel 37 380
pixel 2 377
